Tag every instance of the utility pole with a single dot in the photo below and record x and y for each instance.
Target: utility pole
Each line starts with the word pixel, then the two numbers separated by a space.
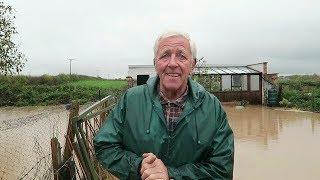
pixel 98 73
pixel 70 60
pixel 70 93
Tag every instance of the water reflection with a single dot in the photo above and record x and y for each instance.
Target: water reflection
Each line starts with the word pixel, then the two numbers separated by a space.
pixel 260 124
pixel 269 143
pixel 275 144
pixel 254 124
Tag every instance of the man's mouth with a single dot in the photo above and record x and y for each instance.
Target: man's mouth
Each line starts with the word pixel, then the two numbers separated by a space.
pixel 173 74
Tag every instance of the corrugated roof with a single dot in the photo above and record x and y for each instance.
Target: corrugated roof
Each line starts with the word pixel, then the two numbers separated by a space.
pixel 230 70
pixel 214 69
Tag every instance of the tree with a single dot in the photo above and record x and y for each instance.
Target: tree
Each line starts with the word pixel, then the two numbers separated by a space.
pixel 11 59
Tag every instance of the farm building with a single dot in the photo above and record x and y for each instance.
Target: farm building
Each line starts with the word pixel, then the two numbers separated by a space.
pixel 141 73
pixel 228 82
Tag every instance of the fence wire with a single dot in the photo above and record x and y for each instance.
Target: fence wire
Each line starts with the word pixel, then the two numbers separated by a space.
pixel 25 134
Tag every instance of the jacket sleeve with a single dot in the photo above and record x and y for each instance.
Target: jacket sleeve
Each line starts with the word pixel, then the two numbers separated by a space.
pixel 108 144
pixel 219 163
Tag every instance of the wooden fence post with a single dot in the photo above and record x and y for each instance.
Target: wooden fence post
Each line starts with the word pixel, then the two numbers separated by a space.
pixel 74 111
pixel 56 156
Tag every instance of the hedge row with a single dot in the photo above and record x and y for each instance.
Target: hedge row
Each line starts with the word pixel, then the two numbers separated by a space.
pixel 49 90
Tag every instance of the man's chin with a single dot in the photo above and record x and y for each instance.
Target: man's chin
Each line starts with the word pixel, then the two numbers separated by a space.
pixel 171 87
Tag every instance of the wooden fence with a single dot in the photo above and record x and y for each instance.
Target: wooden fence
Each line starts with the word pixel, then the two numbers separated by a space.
pixel 78 160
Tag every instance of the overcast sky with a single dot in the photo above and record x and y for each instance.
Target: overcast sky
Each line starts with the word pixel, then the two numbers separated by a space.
pixel 106 36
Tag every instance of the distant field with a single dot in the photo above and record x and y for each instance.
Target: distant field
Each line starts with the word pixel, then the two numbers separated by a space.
pixel 53 90
pixel 103 84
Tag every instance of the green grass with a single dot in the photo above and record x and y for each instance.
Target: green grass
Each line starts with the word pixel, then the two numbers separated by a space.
pixel 52 90
pixel 103 84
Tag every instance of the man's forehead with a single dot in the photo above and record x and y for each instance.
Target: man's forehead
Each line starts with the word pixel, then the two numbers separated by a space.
pixel 174 41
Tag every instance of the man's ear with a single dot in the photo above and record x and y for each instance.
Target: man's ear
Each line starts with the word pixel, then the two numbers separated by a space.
pixel 194 63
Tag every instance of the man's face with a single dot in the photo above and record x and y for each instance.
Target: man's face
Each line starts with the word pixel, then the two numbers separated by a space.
pixel 174 63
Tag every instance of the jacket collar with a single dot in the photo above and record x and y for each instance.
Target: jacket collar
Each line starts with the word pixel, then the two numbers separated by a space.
pixel 196 91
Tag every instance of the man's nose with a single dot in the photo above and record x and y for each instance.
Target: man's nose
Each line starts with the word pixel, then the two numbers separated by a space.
pixel 172 62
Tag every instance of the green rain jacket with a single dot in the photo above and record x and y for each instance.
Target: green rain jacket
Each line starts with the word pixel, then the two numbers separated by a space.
pixel 201 146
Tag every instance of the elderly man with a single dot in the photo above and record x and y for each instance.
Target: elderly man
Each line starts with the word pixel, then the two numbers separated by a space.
pixel 169 128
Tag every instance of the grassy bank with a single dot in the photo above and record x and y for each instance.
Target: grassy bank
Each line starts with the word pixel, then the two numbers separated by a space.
pixel 301 91
pixel 102 84
pixel 52 90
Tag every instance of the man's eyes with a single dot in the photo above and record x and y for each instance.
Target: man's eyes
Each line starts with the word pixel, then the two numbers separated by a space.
pixel 165 55
pixel 179 56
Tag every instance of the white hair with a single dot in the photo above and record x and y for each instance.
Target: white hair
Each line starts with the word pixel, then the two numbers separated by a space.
pixel 175 33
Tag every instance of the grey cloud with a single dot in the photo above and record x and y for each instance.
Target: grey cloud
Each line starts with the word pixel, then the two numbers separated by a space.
pixel 106 36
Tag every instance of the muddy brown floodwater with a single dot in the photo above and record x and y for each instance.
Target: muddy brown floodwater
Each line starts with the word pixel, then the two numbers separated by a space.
pixel 25 135
pixel 270 143
pixel 275 144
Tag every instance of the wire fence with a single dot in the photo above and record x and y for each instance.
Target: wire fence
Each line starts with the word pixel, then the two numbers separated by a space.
pixel 25 135
pixel 51 142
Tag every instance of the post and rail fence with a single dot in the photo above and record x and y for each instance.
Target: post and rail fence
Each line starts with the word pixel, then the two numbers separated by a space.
pixel 78 160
